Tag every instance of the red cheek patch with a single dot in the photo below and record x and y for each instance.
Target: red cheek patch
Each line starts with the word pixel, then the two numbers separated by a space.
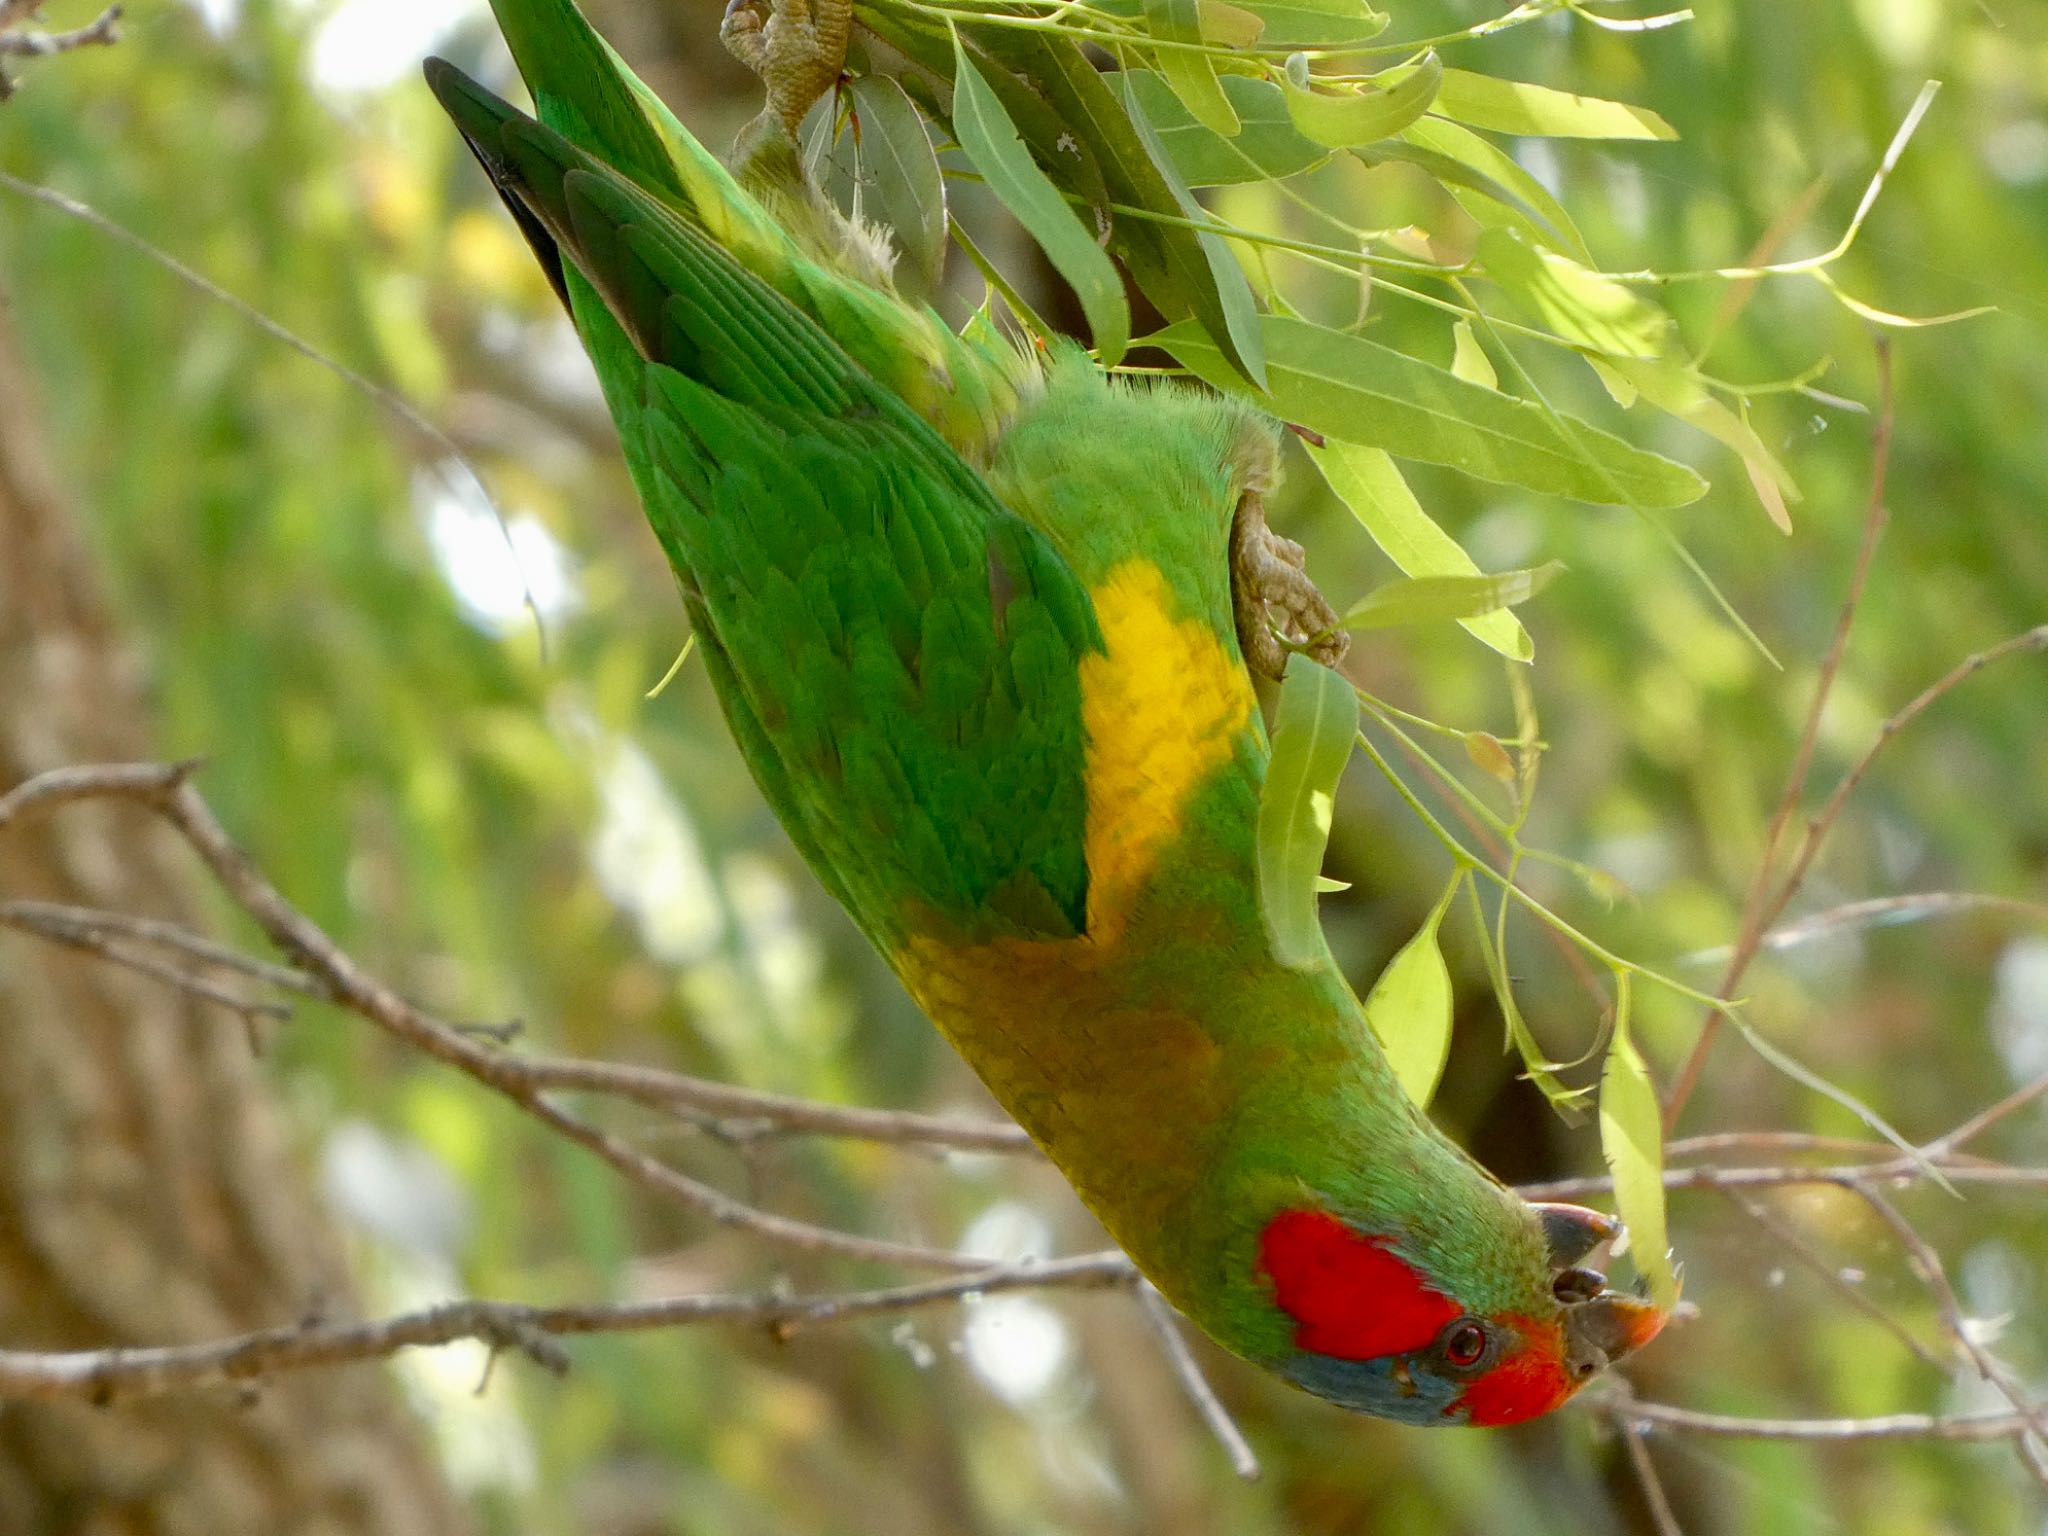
pixel 1529 1381
pixel 1349 1297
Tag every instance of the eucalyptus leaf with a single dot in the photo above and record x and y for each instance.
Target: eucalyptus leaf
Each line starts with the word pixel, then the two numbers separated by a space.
pixel 1439 599
pixel 1313 733
pixel 1537 111
pixel 882 168
pixel 1578 304
pixel 1316 23
pixel 1347 115
pixel 1267 147
pixel 991 142
pixel 1632 1143
pixel 1409 1007
pixel 1191 74
pixel 1488 182
pixel 1347 387
pixel 1370 483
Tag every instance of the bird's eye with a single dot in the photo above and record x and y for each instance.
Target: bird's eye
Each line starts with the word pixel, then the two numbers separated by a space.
pixel 1464 1344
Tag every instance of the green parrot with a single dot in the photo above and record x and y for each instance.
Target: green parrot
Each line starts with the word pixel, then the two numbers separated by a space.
pixel 984 621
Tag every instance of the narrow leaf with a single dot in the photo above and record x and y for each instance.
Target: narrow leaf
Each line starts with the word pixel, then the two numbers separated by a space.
pixel 991 143
pixel 1191 74
pixel 1632 1142
pixel 1576 302
pixel 1268 146
pixel 1536 111
pixel 1362 114
pixel 1182 270
pixel 1431 599
pixel 1347 387
pixel 1313 732
pixel 1234 322
pixel 1678 390
pixel 1371 484
pixel 1409 1007
pixel 1316 23
pixel 1495 188
pixel 883 168
pixel 1469 360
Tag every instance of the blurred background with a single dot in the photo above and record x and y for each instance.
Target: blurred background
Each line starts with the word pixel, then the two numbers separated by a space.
pixel 212 546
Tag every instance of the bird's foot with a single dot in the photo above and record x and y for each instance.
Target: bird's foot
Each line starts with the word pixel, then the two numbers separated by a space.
pixel 797 47
pixel 1266 577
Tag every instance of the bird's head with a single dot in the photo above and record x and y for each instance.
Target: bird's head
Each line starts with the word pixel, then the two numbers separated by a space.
pixel 1429 1327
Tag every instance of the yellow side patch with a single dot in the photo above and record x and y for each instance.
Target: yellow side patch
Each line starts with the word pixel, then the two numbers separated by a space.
pixel 1162 708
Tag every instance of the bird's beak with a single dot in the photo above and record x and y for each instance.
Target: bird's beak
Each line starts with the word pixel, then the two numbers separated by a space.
pixel 1606 1328
pixel 1601 1325
pixel 1572 1231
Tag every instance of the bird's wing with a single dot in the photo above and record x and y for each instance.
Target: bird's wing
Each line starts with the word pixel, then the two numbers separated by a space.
pixel 896 651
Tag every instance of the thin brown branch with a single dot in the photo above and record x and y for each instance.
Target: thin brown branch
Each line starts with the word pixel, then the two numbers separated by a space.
pixel 742 1113
pixel 1989 1116
pixel 105 1375
pixel 1899 1171
pixel 1879 911
pixel 774 1113
pixel 1823 822
pixel 1928 1266
pixel 1754 922
pixel 1661 1515
pixel 1966 1427
pixel 1788 1240
pixel 166 789
pixel 1243 1460
pixel 17 41
pixel 87 925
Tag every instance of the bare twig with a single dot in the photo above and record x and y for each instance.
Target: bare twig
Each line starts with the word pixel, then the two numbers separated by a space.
pixel 1967 1427
pixel 1645 1469
pixel 16 41
pixel 1243 1460
pixel 1754 920
pixel 103 1375
pixel 166 790
pixel 1878 911
pixel 1928 1266
pixel 1790 1241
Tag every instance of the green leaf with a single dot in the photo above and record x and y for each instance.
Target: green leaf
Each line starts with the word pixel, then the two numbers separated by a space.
pixel 1494 188
pixel 1409 1007
pixel 1236 309
pixel 1536 111
pixel 1347 387
pixel 1577 303
pixel 1191 74
pixel 991 142
pixel 1679 391
pixel 1313 732
pixel 1433 599
pixel 882 167
pixel 1632 1142
pixel 1363 114
pixel 1469 360
pixel 1182 270
pixel 1371 484
pixel 1267 146
pixel 1316 23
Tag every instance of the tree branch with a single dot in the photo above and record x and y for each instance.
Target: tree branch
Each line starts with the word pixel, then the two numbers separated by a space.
pixel 107 1375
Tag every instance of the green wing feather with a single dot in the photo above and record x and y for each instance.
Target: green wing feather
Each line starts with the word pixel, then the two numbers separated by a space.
pixel 896 651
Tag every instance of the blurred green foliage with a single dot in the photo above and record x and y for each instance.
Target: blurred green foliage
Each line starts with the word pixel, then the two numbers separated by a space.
pixel 512 830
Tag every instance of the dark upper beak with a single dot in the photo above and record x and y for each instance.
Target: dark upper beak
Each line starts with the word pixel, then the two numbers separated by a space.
pixel 1606 1328
pixel 1572 1231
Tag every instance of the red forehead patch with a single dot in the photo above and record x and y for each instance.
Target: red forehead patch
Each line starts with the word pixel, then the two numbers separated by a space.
pixel 1349 1296
pixel 1530 1380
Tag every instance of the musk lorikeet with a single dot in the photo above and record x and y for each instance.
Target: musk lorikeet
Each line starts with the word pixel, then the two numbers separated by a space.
pixel 980 619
